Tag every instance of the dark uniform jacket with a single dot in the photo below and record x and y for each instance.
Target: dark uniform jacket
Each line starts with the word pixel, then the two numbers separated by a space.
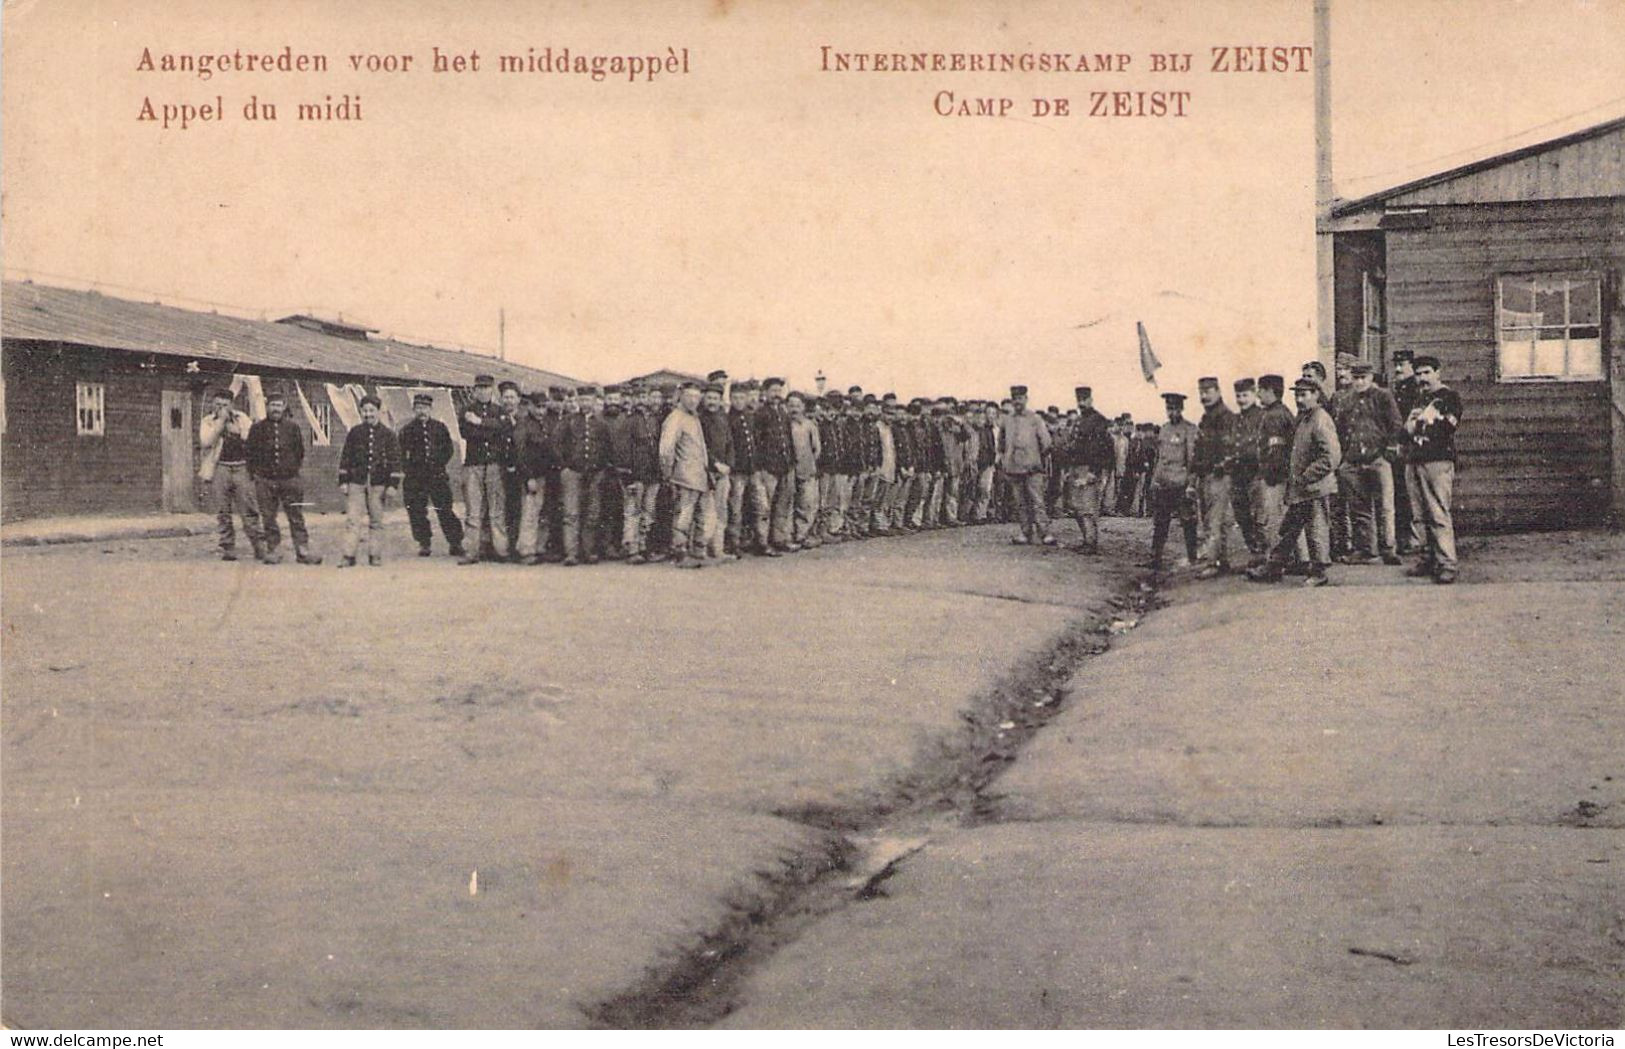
pixel 773 450
pixel 491 439
pixel 930 445
pixel 1088 443
pixel 831 444
pixel 905 444
pixel 371 455
pixel 276 449
pixel 618 428
pixel 1367 422
pixel 1275 429
pixel 1215 442
pixel 426 448
pixel 1437 415
pixel 1247 425
pixel 987 447
pixel 719 441
pixel 870 450
pixel 584 443
pixel 743 432
pixel 1175 455
pixel 534 452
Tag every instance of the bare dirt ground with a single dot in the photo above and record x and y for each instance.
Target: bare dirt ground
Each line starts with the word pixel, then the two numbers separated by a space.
pixel 422 795
pixel 1380 804
pixel 935 781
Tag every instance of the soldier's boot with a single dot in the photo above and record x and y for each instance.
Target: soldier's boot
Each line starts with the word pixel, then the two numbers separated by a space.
pixel 303 555
pixel 261 553
pixel 346 562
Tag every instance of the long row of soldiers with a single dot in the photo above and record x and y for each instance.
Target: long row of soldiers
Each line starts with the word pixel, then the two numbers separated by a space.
pixel 643 472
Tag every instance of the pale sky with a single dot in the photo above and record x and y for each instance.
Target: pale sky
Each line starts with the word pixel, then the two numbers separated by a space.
pixel 758 214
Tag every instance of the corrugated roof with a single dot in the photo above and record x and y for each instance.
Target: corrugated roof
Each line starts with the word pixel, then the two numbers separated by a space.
pixel 1607 127
pixel 90 318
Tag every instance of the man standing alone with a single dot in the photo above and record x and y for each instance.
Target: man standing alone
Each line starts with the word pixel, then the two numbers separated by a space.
pixel 1024 442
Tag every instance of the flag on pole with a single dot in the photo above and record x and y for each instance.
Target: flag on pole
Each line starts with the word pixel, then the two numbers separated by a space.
pixel 1148 358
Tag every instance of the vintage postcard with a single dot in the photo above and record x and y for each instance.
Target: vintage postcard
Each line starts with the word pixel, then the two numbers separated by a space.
pixel 868 514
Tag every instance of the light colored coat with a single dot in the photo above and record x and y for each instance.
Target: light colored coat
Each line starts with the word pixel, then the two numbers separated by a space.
pixel 684 459
pixel 1023 440
pixel 209 434
pixel 1316 455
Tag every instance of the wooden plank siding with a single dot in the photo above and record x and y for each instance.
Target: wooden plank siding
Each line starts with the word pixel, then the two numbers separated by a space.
pixel 1532 454
pixel 51 470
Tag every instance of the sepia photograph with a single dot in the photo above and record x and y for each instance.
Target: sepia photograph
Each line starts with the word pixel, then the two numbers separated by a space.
pixel 877 515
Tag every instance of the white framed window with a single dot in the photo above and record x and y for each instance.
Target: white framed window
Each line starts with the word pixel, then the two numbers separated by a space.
pixel 90 407
pixel 1548 327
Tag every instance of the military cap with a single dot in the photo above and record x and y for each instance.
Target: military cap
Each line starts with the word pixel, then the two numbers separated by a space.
pixel 668 388
pixel 713 387
pixel 688 384
pixel 870 398
pixel 1345 360
pixel 888 397
pixel 507 384
pixel 854 391
pixel 373 400
pixel 422 398
pixel 772 381
pixel 485 380
pixel 1426 362
pixel 833 397
pixel 537 398
pixel 1316 367
pixel 717 376
pixel 275 395
pixel 1018 391
pixel 914 407
pixel 1125 418
pixel 1306 384
pixel 1243 385
pixel 939 408
pixel 797 394
pixel 1082 392
pixel 1146 426
pixel 1362 368
pixel 1207 382
pixel 746 385
pixel 1176 400
pixel 556 392
pixel 223 392
pixel 1053 409
pixel 1272 382
pixel 1403 355
pixel 588 390
pixel 614 388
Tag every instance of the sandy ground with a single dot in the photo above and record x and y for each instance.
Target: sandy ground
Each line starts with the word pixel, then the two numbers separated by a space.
pixel 426 795
pixel 1379 804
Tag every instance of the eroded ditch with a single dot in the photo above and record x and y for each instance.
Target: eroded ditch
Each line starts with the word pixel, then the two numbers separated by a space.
pixel 857 846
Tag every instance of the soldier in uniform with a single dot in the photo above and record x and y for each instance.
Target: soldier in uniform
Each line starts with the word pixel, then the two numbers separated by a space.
pixel 715 503
pixel 487 453
pixel 426 448
pixel 831 449
pixel 534 456
pixel 1431 468
pixel 1368 421
pixel 369 469
pixel 685 468
pixel 1275 427
pixel 1024 442
pixel 1407 522
pixel 1086 456
pixel 1214 459
pixel 223 436
pixel 741 491
pixel 1172 489
pixel 1311 479
pixel 276 451
pixel 987 460
pixel 806 447
pixel 773 484
pixel 584 456
pixel 1244 474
